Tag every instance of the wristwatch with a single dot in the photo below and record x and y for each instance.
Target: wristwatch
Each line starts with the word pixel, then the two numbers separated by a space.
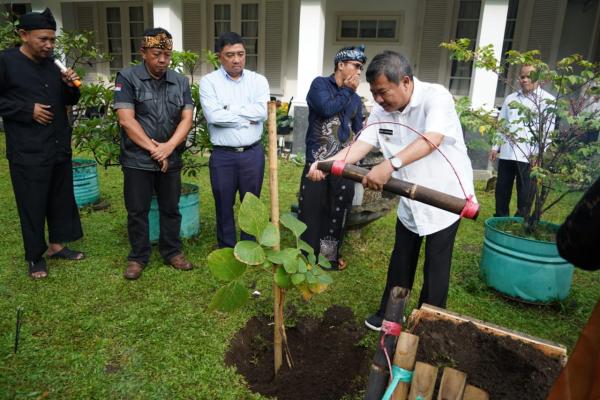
pixel 396 163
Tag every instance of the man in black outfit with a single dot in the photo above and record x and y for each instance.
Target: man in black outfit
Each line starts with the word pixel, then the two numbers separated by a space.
pixel 154 107
pixel 34 95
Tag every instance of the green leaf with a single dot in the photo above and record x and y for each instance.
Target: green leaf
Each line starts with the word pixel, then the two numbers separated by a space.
pixel 312 259
pixel 324 262
pixel 249 252
pixel 324 277
pixel 229 298
pixel 310 278
pixel 253 216
pixel 302 245
pixel 278 257
pixel 281 278
pixel 224 266
pixel 293 224
pixel 298 279
pixel 302 265
pixel 269 236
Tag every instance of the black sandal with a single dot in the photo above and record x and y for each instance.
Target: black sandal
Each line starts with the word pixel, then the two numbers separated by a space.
pixel 67 254
pixel 35 267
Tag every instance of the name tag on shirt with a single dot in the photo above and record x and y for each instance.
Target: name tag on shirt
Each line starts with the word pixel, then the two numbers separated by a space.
pixel 383 131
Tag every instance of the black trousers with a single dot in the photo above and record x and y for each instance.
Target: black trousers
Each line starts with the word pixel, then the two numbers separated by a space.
pixel 508 170
pixel 230 173
pixel 324 206
pixel 436 272
pixel 44 194
pixel 138 187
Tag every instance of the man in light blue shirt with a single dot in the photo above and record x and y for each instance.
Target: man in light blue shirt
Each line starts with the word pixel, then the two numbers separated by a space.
pixel 234 101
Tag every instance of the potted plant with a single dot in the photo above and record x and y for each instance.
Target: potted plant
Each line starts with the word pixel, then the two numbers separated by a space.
pixel 520 257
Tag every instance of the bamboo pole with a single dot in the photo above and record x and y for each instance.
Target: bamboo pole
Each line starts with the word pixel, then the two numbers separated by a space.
pixel 406 352
pixel 452 386
pixel 474 393
pixel 412 191
pixel 423 381
pixel 278 294
pixel 379 373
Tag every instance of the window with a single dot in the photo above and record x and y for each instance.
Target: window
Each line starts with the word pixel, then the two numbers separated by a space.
pixel 124 31
pixel 15 10
pixel 241 18
pixel 509 34
pixel 467 25
pixel 382 28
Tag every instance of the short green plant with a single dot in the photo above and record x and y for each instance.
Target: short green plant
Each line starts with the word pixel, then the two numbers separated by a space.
pixel 293 266
pixel 562 159
pixel 8 32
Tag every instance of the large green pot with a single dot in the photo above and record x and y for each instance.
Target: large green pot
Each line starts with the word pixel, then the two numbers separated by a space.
pixel 527 269
pixel 189 203
pixel 85 182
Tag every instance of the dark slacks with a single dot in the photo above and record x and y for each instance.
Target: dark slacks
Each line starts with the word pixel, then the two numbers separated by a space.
pixel 232 172
pixel 324 206
pixel 436 272
pixel 508 170
pixel 138 187
pixel 45 194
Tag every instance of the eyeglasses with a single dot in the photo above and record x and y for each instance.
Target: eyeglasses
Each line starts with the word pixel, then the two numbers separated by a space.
pixel 356 65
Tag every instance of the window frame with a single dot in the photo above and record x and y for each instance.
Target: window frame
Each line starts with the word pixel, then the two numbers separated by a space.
pixel 398 17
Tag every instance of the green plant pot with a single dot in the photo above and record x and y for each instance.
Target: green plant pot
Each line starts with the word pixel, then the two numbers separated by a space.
pixel 189 207
pixel 526 269
pixel 85 182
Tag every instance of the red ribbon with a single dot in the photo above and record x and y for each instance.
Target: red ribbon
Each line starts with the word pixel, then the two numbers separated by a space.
pixel 389 328
pixel 338 167
pixel 470 209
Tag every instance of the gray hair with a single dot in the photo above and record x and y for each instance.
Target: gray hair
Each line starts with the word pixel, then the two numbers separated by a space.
pixel 394 66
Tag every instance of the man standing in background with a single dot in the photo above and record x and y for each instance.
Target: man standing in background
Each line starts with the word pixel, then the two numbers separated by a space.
pixel 34 96
pixel 234 102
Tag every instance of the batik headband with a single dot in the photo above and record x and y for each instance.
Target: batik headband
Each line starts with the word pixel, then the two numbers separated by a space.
pixel 351 54
pixel 160 41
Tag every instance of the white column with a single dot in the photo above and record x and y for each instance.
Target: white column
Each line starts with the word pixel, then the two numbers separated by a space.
pixel 491 31
pixel 54 6
pixel 310 45
pixel 168 15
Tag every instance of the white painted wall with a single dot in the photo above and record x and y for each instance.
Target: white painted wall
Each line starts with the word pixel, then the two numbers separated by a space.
pixel 167 15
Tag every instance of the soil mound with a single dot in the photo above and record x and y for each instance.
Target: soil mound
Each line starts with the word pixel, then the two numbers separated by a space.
pixel 328 363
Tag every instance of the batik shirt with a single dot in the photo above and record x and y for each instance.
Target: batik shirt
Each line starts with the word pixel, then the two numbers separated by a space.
pixel 333 113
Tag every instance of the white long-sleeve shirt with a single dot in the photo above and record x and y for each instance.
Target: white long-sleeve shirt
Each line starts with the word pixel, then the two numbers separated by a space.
pixel 521 147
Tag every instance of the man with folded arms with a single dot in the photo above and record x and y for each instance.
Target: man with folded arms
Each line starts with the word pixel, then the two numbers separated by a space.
pixel 154 107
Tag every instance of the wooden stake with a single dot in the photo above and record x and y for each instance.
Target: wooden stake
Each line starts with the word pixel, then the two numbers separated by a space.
pixel 379 374
pixel 474 393
pixel 278 294
pixel 406 352
pixel 452 386
pixel 423 382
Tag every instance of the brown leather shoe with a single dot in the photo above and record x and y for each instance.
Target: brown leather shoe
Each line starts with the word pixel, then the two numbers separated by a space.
pixel 179 262
pixel 134 270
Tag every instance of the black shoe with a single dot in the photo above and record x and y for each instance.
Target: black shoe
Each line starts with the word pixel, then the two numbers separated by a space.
pixel 374 322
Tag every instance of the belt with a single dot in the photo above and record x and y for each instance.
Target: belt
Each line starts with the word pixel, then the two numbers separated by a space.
pixel 240 149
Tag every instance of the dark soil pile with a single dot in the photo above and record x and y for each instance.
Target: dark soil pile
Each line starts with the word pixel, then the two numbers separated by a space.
pixel 503 367
pixel 328 363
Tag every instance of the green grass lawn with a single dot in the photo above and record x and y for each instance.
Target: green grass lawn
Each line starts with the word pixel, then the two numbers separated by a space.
pixel 89 333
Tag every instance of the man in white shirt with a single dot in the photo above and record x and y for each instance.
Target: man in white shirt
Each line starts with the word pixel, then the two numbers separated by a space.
pixel 234 101
pixel 515 152
pixel 404 104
